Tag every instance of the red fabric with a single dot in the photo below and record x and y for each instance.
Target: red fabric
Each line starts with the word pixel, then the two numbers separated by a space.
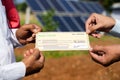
pixel 12 14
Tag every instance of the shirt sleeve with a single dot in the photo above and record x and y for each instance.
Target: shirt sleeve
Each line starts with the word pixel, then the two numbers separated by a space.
pixel 14 39
pixel 115 31
pixel 14 71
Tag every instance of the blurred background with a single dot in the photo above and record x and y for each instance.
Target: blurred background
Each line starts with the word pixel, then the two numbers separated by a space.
pixel 69 15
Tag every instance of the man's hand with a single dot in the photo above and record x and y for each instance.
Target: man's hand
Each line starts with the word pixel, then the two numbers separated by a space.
pixel 34 61
pixel 97 22
pixel 105 55
pixel 26 33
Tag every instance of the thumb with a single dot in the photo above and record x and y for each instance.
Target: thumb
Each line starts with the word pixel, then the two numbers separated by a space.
pixel 32 27
pixel 36 54
pixel 97 53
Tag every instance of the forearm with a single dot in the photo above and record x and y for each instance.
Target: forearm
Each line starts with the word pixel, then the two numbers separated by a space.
pixel 12 71
pixel 116 29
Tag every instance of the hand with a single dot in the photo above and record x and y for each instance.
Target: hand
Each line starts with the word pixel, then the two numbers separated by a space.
pixel 97 22
pixel 105 55
pixel 26 33
pixel 34 61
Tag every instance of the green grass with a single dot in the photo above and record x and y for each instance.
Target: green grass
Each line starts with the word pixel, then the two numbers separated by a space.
pixel 59 54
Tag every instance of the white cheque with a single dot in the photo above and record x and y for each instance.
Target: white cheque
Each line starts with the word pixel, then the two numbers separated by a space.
pixel 53 41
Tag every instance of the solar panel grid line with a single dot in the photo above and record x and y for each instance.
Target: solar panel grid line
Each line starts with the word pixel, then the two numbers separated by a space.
pixel 51 5
pixel 60 5
pixel 81 6
pixel 86 8
pixel 57 6
pixel 40 5
pixel 40 20
pixel 89 7
pixel 78 4
pixel 70 22
pixel 45 4
pixel 77 7
pixel 93 6
pixel 78 26
pixel 80 22
pixel 67 7
pixel 83 18
pixel 62 24
pixel 96 6
pixel 99 7
pixel 72 6
pixel 33 6
pixel 67 25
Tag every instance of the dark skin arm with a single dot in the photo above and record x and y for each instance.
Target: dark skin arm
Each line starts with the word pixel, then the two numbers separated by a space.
pixel 105 55
pixel 34 61
pixel 26 33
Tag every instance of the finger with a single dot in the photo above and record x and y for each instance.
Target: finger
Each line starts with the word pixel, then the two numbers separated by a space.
pixel 96 57
pixel 32 27
pixel 27 53
pixel 30 39
pixel 31 51
pixel 89 23
pixel 97 48
pixel 96 35
pixel 24 55
pixel 42 58
pixel 94 28
pixel 36 54
pixel 37 29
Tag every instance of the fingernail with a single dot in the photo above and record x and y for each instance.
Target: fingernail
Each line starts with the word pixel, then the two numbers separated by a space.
pixel 35 30
pixel 88 31
pixel 91 49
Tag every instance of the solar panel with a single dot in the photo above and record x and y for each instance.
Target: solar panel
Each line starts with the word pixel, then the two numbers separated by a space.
pixel 40 19
pixel 34 5
pixel 62 25
pixel 80 22
pixel 76 5
pixel 93 6
pixel 84 5
pixel 71 15
pixel 70 22
pixel 57 6
pixel 45 4
pixel 65 4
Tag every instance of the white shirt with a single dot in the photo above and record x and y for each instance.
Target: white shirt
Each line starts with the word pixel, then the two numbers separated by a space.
pixel 116 29
pixel 9 69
